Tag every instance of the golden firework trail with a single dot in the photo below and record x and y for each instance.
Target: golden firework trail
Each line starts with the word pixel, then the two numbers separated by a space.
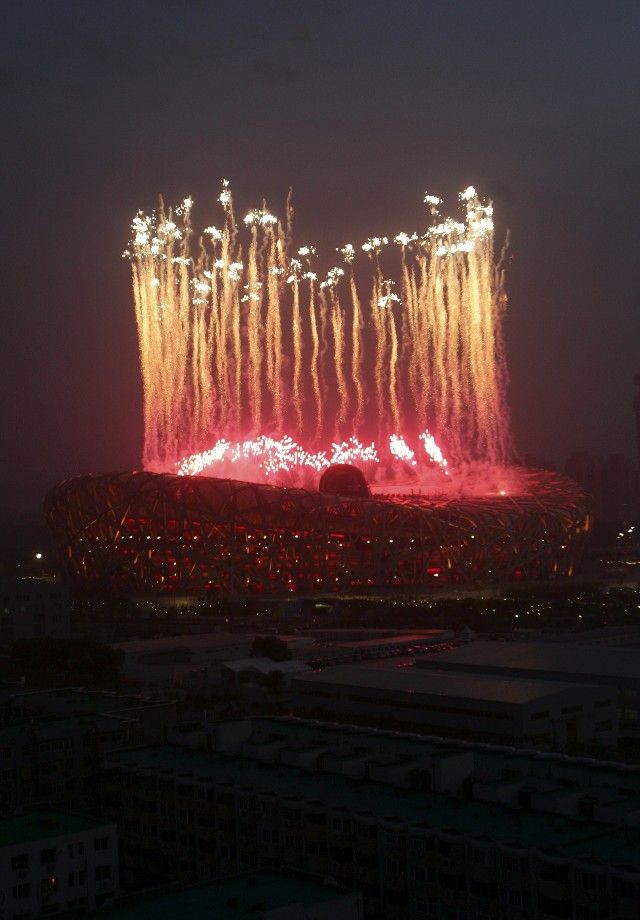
pixel 243 348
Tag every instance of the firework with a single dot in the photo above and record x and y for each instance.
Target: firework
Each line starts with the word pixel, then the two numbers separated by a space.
pixel 251 356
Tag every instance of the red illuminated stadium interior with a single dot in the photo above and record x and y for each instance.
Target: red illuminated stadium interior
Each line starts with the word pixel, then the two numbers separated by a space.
pixel 148 534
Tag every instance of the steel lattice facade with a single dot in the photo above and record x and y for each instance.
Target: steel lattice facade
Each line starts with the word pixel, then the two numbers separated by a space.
pixel 146 533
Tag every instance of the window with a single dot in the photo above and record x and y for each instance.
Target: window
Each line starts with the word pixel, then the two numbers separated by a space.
pixel 102 873
pixel 587 913
pixel 392 867
pixel 540 715
pixel 480 856
pixel 393 839
pixel 555 906
pixel 514 863
pixel 20 891
pixel 422 845
pixel 553 872
pixel 20 861
pixel 315 818
pixel 625 888
pixel 101 843
pixel 72 880
pixel 47 856
pixel 70 850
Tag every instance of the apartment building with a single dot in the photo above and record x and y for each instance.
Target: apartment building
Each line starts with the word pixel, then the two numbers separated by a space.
pixel 423 827
pixel 52 861
pixel 53 741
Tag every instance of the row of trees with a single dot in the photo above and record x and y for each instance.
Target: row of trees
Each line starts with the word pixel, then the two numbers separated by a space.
pixel 51 662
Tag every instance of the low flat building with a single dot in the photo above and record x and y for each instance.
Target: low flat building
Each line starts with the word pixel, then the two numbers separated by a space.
pixel 52 861
pixel 164 661
pixel 615 636
pixel 260 670
pixel 509 710
pixel 168 661
pixel 614 669
pixel 262 895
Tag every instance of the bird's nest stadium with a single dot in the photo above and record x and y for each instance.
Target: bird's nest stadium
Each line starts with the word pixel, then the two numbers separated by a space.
pixel 142 533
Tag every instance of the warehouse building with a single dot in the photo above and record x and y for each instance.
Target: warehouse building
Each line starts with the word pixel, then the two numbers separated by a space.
pixel 611 668
pixel 502 709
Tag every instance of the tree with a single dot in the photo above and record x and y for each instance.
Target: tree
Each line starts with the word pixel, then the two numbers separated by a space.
pixel 50 662
pixel 275 683
pixel 270 647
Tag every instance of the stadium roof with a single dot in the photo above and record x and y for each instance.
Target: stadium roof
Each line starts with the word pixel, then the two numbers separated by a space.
pixel 354 546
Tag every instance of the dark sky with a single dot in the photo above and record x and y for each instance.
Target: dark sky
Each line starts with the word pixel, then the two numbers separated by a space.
pixel 360 107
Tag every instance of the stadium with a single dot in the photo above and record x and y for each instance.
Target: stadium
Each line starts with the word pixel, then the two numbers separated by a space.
pixel 308 437
pixel 142 533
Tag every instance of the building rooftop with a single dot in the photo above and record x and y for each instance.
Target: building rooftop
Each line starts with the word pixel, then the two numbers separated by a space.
pixel 74 701
pixel 249 895
pixel 43 825
pixel 45 725
pixel 574 659
pixel 199 642
pixel 215 643
pixel 433 682
pixel 365 798
pixel 427 637
pixel 266 665
pixel 492 759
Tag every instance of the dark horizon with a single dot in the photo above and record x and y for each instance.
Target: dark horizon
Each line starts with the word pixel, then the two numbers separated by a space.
pixel 359 108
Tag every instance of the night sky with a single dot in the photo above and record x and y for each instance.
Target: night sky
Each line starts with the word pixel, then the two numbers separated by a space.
pixel 360 107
